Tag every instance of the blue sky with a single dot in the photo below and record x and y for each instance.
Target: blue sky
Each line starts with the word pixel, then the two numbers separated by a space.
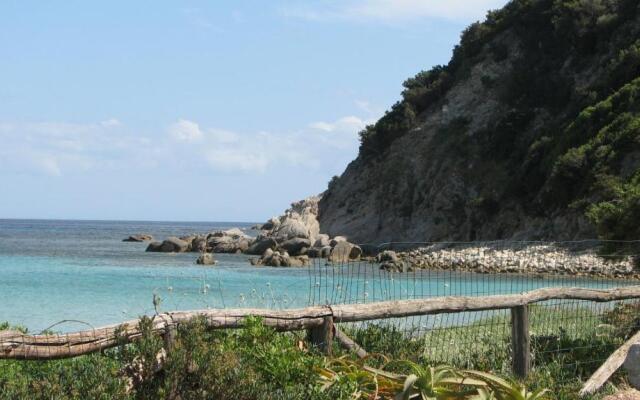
pixel 199 110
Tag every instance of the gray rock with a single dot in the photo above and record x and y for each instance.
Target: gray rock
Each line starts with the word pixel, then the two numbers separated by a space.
pixel 229 245
pixel 337 240
pixel 206 259
pixel 295 246
pixel 174 245
pixel 139 238
pixel 154 247
pixel 325 252
pixel 261 245
pixel 387 256
pixel 322 240
pixel 290 228
pixel 344 251
pixel 271 224
pixel 199 244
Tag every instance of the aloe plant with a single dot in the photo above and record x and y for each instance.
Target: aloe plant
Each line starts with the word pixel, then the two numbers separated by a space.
pixel 504 389
pixel 437 383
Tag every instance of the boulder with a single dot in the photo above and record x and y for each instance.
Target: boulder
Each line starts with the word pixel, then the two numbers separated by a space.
pixel 299 261
pixel 337 240
pixel 154 246
pixel 387 256
pixel 344 251
pixel 271 224
pixel 199 244
pixel 396 266
pixel 227 244
pixel 206 259
pixel 290 228
pixel 325 252
pixel 282 259
pixel 313 252
pixel 139 238
pixel 322 252
pixel 233 232
pixel 261 244
pixel 174 245
pixel 295 246
pixel 322 240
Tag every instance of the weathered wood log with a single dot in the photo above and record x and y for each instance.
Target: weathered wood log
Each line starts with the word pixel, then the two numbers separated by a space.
pixel 520 341
pixel 15 345
pixel 322 336
pixel 615 360
pixel 440 305
pixel 348 344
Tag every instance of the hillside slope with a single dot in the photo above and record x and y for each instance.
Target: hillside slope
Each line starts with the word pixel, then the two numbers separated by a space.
pixel 530 132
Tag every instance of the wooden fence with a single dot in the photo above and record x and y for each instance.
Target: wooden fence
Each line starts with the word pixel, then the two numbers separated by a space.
pixel 319 321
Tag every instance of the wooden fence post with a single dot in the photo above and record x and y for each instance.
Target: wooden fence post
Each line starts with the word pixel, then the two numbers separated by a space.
pixel 169 338
pixel 322 336
pixel 520 341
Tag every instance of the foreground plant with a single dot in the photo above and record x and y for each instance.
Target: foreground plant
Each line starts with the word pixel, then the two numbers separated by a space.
pixel 503 389
pixel 419 383
pixel 435 383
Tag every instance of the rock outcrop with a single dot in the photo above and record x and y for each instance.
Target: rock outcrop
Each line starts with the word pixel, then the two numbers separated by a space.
pixel 280 259
pixel 139 238
pixel 170 245
pixel 206 259
pixel 533 259
pixel 516 138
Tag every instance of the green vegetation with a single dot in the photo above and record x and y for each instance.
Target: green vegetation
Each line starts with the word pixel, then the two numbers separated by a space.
pixel 258 363
pixel 569 137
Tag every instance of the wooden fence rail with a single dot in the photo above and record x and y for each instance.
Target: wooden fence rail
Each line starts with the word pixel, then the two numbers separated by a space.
pixel 317 320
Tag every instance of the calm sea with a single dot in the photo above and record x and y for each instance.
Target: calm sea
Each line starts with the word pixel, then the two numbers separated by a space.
pixel 52 271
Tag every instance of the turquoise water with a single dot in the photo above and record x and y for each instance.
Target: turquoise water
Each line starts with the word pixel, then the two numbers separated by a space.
pixel 52 271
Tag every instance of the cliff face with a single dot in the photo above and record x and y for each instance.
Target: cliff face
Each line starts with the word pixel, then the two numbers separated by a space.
pixel 530 132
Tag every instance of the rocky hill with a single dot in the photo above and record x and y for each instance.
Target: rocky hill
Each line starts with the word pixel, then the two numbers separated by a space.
pixel 532 131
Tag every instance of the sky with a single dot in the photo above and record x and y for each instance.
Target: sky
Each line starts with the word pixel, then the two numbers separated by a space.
pixel 200 110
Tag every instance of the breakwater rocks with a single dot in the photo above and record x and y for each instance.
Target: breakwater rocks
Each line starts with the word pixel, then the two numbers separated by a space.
pixel 229 241
pixel 142 237
pixel 289 240
pixel 535 259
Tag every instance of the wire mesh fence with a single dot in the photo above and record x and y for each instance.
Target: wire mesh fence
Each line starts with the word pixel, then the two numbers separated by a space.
pixel 577 336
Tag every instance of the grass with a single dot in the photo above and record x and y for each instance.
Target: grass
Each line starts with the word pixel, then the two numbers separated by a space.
pixel 569 341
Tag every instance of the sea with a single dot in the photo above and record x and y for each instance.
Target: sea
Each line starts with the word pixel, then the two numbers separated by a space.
pixel 72 275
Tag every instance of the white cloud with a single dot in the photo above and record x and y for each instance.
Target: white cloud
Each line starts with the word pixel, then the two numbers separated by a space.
pixel 60 148
pixel 186 131
pixel 48 164
pixel 347 125
pixel 394 10
pixel 237 160
pixel 341 133
pixel 56 148
pixel 110 122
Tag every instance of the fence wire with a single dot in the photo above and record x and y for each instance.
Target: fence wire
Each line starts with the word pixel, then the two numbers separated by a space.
pixel 576 336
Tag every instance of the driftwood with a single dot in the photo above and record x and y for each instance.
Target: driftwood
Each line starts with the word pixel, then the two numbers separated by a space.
pixel 15 345
pixel 610 366
pixel 348 343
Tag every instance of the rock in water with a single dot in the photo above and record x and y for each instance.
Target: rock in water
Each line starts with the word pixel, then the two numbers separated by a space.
pixel 344 251
pixel 261 245
pixel 173 244
pixel 387 256
pixel 169 245
pixel 322 240
pixel 139 238
pixel 206 259
pixel 296 246
pixel 154 247
pixel 291 228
